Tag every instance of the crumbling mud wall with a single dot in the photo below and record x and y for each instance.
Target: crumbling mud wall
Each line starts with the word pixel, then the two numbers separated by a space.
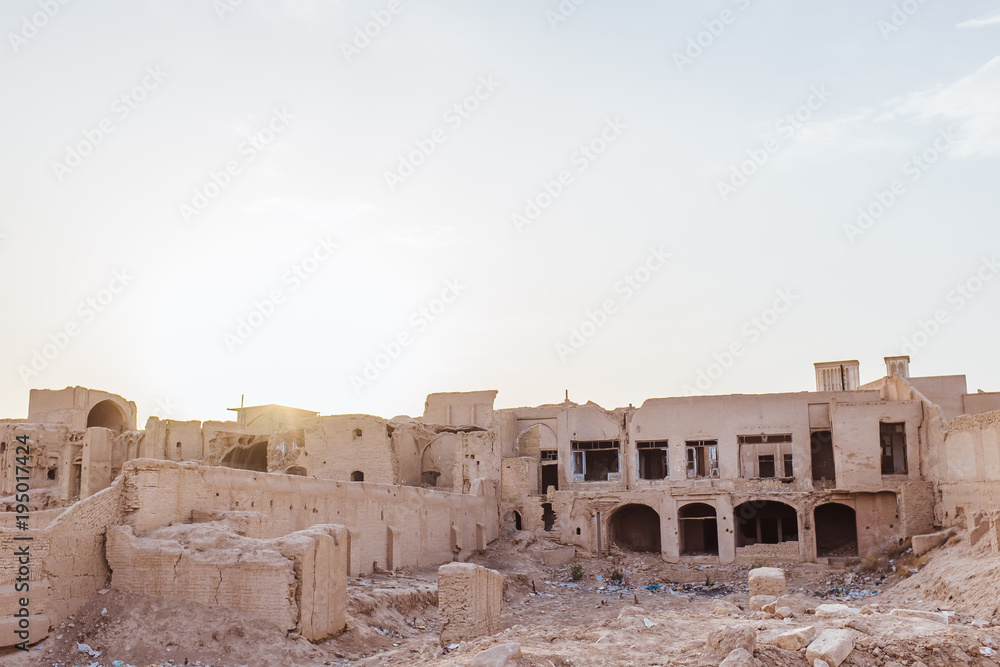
pixel 965 462
pixel 64 564
pixel 390 526
pixel 298 582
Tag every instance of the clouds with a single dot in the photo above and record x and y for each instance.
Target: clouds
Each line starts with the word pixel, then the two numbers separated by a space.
pixel 972 102
pixel 980 22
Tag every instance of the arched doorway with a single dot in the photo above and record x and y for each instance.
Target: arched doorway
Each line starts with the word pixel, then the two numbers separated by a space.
pixel 636 528
pixel 357 476
pixel 247 458
pixel 699 530
pixel 836 530
pixel 107 414
pixel 765 522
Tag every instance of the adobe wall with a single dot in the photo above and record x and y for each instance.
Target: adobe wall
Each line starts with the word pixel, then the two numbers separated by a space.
pixel 51 447
pixel 465 408
pixel 422 520
pixel 173 440
pixel 965 462
pixel 333 450
pixel 298 582
pixel 71 406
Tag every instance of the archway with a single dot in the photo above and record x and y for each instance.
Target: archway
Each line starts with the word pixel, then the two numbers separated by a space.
pixel 357 476
pixel 836 530
pixel 699 530
pixel 247 458
pixel 636 528
pixel 765 522
pixel 107 414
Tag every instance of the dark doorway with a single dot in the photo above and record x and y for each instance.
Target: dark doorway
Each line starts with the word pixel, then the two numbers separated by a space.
pixel 550 476
pixel 357 476
pixel 821 446
pixel 765 522
pixel 636 528
pixel 836 530
pixel 699 530
pixel 517 520
pixel 548 516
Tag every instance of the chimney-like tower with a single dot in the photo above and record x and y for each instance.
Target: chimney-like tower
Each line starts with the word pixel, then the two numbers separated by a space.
pixel 897 366
pixel 837 376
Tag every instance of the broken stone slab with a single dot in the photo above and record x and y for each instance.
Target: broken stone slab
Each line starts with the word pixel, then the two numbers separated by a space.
pixel 503 655
pixel 793 640
pixel 759 602
pixel 835 611
pixel 739 658
pixel 995 531
pixel 727 639
pixel 783 613
pixel 723 608
pixel 820 663
pixel 767 581
pixel 935 616
pixel 833 646
pixel 924 543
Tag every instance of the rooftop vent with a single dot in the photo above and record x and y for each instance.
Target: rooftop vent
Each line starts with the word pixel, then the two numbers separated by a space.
pixel 897 366
pixel 837 376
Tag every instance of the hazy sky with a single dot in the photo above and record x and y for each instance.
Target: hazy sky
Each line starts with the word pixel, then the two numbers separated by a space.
pixel 343 206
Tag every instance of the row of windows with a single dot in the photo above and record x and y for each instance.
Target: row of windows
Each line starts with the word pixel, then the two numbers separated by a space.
pixel 761 457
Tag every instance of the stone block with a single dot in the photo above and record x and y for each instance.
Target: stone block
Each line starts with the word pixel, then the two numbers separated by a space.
pixel 758 602
pixel 739 658
pixel 924 543
pixel 470 599
pixel 995 531
pixel 767 581
pixel 723 608
pixel 934 616
pixel 727 639
pixel 835 611
pixel 503 655
pixel 38 629
pixel 833 646
pixel 793 640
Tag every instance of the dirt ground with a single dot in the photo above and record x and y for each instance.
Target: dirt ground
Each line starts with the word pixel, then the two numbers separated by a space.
pixel 628 610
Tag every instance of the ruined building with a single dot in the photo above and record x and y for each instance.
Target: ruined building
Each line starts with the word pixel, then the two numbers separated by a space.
pixel 301 501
